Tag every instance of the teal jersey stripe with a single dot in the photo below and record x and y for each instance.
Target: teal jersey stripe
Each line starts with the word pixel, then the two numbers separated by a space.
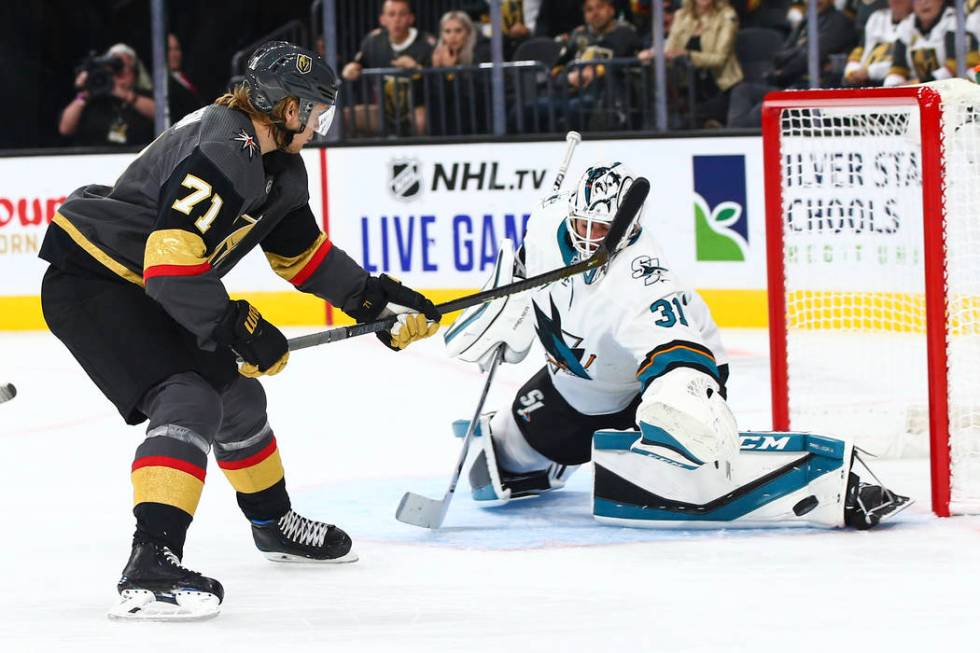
pixel 665 361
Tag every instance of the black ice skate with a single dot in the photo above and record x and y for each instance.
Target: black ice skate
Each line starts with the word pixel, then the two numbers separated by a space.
pixel 867 504
pixel 294 538
pixel 155 587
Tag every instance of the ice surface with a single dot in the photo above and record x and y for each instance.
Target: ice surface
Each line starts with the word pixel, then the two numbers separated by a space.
pixel 357 426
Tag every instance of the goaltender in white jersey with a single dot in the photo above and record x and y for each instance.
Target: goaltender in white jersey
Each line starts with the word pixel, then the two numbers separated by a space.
pixel 634 381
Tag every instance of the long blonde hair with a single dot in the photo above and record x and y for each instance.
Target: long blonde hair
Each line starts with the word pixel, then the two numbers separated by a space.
pixel 239 99
pixel 466 53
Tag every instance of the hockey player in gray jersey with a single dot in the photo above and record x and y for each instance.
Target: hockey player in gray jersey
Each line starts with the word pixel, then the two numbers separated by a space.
pixel 631 348
pixel 134 291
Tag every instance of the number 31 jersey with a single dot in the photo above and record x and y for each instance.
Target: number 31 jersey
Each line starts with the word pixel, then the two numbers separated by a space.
pixel 609 333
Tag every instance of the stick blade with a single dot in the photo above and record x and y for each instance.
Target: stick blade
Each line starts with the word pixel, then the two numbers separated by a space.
pixel 7 392
pixel 417 510
pixel 636 195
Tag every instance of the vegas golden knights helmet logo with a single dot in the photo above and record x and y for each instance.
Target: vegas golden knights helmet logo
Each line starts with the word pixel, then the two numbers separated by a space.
pixel 304 64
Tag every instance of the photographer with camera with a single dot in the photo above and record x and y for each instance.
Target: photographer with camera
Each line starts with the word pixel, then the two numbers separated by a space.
pixel 114 104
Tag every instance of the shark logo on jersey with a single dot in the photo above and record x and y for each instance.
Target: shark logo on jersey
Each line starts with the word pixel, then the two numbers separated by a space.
pixel 648 269
pixel 721 222
pixel 561 355
pixel 405 179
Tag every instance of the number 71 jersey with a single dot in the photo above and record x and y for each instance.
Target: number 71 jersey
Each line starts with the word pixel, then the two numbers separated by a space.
pixel 188 208
pixel 609 333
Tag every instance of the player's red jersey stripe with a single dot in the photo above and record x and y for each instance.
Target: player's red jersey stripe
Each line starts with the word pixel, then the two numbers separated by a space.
pixel 176 270
pixel 173 463
pixel 313 264
pixel 252 460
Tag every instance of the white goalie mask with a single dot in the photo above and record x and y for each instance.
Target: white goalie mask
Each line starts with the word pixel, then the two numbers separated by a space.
pixel 592 208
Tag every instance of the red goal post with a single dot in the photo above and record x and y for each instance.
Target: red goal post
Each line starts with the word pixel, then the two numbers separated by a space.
pixel 873 249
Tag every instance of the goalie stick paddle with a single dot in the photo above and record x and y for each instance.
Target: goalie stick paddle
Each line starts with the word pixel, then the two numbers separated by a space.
pixel 418 510
pixel 7 392
pixel 632 202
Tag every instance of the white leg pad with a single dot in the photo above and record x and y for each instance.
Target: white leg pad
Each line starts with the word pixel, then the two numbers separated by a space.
pixel 778 479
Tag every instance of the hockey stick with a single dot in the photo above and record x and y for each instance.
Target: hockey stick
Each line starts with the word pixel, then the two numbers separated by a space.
pixel 572 139
pixel 7 392
pixel 418 510
pixel 631 204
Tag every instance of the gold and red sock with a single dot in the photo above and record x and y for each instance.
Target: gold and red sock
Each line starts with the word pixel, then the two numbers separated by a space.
pixel 258 477
pixel 168 478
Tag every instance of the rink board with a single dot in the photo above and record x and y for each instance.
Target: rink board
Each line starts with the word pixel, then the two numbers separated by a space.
pixel 434 216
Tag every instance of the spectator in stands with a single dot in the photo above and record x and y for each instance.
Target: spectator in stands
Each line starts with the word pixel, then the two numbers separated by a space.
pixel 396 44
pixel 602 36
pixel 557 18
pixel 457 41
pixel 119 112
pixel 450 113
pixel 870 62
pixel 512 13
pixel 182 94
pixel 925 49
pixel 835 35
pixel 703 33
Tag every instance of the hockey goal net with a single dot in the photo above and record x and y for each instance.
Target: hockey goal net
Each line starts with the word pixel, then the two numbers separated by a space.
pixel 873 247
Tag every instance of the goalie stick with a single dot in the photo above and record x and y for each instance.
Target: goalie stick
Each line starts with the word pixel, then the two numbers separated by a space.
pixel 632 202
pixel 7 392
pixel 422 511
pixel 418 510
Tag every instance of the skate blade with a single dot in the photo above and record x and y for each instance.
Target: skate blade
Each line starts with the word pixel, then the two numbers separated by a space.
pixel 142 605
pixel 903 503
pixel 276 556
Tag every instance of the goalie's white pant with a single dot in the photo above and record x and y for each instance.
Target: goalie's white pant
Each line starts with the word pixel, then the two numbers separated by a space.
pixel 777 478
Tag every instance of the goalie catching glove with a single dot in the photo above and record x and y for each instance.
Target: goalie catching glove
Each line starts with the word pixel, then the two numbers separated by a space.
pixel 475 334
pixel 385 296
pixel 261 345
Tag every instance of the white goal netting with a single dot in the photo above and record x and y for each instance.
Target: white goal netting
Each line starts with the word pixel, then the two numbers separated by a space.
pixel 853 258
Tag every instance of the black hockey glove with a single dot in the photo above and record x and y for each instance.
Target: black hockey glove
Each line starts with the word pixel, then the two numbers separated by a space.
pixel 383 296
pixel 261 345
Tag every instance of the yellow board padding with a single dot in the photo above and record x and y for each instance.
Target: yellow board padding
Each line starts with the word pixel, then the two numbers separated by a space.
pixel 736 308
pixel 258 477
pixel 288 307
pixel 731 308
pixel 166 485
pixel 21 313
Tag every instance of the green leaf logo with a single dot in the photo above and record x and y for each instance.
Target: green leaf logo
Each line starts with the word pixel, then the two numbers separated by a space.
pixel 715 241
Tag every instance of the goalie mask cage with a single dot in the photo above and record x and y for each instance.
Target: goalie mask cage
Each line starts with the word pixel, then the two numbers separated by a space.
pixel 873 248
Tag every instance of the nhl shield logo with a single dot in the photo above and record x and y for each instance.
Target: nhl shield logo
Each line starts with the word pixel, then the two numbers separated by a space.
pixel 406 179
pixel 304 64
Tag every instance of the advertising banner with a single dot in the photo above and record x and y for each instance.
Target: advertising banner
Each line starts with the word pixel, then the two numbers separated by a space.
pixel 435 215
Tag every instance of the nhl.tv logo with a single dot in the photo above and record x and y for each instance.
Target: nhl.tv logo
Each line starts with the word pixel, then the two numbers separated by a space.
pixel 721 221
